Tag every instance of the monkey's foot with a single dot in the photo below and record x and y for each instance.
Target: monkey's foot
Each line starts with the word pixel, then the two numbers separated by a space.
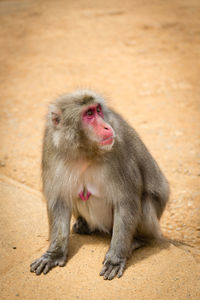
pixel 81 227
pixel 46 262
pixel 138 242
pixel 113 266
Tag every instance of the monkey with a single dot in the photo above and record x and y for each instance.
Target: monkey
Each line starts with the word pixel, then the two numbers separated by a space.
pixel 96 167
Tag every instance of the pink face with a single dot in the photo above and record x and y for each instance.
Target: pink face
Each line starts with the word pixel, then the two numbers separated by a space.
pixel 93 117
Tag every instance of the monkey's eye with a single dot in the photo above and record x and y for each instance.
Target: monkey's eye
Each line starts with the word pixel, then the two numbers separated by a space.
pixel 99 109
pixel 89 112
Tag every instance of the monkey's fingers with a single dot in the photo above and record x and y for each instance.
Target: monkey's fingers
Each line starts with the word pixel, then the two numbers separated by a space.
pixel 113 272
pixel 109 271
pixel 35 264
pixel 49 265
pixel 121 270
pixel 41 267
pixel 103 270
pixel 45 263
pixel 116 270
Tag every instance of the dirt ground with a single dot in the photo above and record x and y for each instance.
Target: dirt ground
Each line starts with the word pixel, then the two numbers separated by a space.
pixel 144 56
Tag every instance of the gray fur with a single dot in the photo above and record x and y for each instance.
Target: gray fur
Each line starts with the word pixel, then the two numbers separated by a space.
pixel 129 191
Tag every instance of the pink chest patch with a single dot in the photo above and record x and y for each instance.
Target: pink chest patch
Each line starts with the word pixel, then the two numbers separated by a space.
pixel 84 194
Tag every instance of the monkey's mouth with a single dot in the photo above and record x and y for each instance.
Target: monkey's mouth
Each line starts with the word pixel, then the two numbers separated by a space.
pixel 107 141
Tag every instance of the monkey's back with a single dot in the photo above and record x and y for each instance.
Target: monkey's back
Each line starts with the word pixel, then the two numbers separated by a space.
pixel 140 167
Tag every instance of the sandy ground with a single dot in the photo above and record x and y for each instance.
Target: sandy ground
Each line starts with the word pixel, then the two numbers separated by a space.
pixel 144 56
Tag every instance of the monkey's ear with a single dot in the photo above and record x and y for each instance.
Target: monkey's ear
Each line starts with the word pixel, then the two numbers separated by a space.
pixel 55 116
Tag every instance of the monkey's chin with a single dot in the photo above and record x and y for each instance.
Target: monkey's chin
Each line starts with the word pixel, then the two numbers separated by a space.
pixel 107 144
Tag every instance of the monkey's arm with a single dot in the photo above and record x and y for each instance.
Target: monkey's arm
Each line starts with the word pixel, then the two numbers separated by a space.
pixel 125 223
pixel 59 222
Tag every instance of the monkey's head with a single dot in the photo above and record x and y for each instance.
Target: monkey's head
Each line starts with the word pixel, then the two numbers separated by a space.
pixel 78 122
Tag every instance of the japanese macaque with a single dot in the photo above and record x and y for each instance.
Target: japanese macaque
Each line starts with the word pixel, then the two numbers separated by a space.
pixel 96 167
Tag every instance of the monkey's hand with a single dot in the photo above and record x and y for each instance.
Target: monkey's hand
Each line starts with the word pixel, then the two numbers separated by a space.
pixel 47 261
pixel 113 265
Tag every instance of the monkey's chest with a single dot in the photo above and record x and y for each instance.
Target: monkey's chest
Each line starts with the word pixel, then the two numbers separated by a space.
pixel 94 208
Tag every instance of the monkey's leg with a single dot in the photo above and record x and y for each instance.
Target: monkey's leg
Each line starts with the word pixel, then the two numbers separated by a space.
pixel 125 224
pixel 81 227
pixel 59 222
pixel 149 227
